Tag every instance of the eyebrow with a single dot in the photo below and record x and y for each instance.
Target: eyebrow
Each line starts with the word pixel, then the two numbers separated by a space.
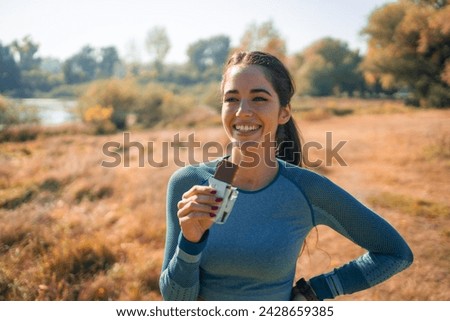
pixel 253 91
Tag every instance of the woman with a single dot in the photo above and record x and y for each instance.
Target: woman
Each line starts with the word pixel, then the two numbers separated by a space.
pixel 253 255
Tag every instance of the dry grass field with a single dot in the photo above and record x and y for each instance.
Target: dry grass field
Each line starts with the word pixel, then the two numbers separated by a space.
pixel 72 229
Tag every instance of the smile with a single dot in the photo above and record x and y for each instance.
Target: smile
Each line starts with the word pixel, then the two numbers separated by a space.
pixel 246 128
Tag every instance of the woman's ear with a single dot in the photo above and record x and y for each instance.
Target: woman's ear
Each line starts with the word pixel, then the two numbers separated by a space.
pixel 284 115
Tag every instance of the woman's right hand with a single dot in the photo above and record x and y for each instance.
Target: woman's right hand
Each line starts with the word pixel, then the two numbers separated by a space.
pixel 197 210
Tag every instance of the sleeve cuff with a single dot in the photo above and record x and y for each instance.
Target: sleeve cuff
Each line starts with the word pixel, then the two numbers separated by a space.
pixel 321 288
pixel 192 248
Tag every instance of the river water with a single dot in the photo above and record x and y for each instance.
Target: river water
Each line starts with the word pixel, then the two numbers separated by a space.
pixel 52 111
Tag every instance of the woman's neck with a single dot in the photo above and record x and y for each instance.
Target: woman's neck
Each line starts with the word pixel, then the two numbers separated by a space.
pixel 256 169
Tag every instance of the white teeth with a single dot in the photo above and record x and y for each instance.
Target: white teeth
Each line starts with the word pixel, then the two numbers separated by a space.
pixel 246 128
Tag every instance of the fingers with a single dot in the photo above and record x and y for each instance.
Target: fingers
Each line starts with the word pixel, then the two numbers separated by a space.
pixel 200 190
pixel 199 195
pixel 199 216
pixel 199 202
pixel 192 207
pixel 197 210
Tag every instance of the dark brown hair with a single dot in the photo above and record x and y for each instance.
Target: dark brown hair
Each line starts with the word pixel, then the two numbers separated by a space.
pixel 288 136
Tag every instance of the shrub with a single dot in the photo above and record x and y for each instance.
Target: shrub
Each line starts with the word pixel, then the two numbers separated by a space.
pixel 158 104
pixel 80 259
pixel 100 118
pixel 5 286
pixel 71 264
pixel 151 103
pixel 12 113
pixel 20 133
pixel 120 95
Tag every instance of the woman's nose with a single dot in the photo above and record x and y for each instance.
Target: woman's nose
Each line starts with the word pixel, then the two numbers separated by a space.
pixel 244 109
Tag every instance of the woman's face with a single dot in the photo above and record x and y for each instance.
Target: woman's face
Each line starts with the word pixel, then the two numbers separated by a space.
pixel 251 110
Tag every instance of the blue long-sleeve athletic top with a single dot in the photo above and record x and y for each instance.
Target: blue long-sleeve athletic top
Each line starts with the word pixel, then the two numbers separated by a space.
pixel 253 255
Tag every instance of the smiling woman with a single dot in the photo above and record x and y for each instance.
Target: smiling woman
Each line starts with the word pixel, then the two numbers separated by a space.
pixel 259 89
pixel 253 256
pixel 253 108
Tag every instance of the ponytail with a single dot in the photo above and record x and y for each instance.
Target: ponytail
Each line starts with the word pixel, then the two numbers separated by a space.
pixel 289 143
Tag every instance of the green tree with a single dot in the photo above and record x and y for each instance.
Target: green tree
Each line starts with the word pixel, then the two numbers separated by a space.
pixel 32 78
pixel 409 45
pixel 51 65
pixel 9 71
pixel 81 67
pixel 109 58
pixel 26 51
pixel 329 67
pixel 207 56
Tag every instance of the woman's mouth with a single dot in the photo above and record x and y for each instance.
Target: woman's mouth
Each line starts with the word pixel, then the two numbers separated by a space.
pixel 246 129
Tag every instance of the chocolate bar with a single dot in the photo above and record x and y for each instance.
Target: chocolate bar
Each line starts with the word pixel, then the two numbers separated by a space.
pixel 226 171
pixel 221 181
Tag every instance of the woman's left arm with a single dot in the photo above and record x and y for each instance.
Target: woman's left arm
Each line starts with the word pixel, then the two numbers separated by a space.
pixel 387 251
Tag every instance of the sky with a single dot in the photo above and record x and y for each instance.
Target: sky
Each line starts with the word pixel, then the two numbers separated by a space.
pixel 63 27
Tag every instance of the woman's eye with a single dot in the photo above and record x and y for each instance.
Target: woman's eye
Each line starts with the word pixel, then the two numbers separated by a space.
pixel 230 99
pixel 259 99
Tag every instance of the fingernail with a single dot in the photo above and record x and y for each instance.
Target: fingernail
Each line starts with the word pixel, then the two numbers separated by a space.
pixel 219 199
pixel 213 192
pixel 212 215
pixel 214 208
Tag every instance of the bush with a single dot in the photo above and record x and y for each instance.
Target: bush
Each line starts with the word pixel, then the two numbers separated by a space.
pixel 120 95
pixel 15 122
pixel 100 118
pixel 150 105
pixel 13 114
pixel 158 104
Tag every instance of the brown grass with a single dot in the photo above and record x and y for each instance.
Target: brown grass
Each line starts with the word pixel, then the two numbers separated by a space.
pixel 398 164
pixel 71 229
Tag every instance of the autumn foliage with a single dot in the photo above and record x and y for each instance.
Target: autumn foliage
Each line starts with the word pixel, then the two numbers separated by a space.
pixel 409 46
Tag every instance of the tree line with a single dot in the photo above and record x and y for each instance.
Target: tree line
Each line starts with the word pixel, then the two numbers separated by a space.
pixel 408 51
